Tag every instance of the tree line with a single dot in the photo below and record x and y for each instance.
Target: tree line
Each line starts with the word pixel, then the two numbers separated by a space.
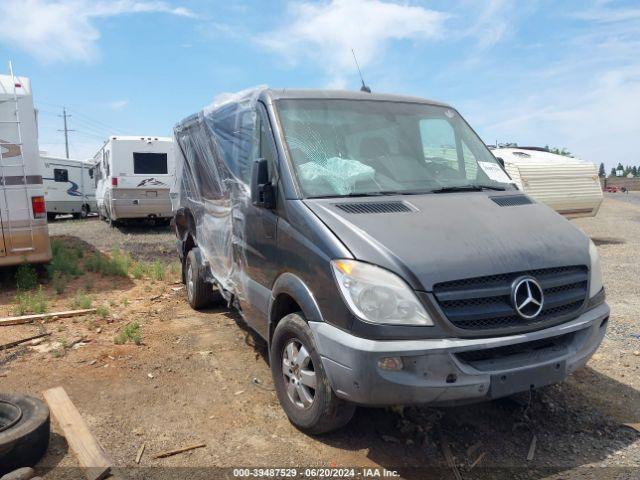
pixel 629 169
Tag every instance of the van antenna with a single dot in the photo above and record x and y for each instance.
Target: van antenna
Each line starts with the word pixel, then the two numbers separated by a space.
pixel 363 88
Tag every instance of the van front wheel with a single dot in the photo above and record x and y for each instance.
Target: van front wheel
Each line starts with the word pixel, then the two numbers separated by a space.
pixel 300 381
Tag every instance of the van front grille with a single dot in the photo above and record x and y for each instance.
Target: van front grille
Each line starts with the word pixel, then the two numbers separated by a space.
pixel 484 303
pixel 551 345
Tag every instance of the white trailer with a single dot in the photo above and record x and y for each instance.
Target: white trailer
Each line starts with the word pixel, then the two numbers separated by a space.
pixel 568 185
pixel 132 176
pixel 68 186
pixel 24 236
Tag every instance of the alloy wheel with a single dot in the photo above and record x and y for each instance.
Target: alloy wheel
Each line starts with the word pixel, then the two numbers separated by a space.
pixel 299 374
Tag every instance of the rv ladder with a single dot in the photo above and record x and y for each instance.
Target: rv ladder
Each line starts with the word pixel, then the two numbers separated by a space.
pixel 12 214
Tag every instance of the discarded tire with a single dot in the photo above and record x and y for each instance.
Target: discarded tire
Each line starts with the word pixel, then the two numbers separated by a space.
pixel 24 431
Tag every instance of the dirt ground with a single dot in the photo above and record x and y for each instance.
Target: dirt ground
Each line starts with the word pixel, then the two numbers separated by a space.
pixel 203 377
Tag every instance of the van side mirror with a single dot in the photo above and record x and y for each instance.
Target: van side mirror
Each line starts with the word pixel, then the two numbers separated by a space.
pixel 262 191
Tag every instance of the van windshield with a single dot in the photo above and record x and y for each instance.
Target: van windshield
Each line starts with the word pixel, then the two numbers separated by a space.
pixel 368 147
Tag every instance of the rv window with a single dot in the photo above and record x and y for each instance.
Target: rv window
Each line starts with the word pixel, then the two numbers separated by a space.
pixel 60 175
pixel 150 163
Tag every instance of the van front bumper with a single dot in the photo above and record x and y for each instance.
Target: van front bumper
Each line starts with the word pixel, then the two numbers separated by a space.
pixel 452 371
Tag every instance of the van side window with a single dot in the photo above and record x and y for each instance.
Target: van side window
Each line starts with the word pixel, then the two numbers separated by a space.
pixel 60 175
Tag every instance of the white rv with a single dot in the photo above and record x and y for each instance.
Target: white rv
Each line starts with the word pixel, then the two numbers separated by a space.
pixel 132 176
pixel 68 186
pixel 568 185
pixel 24 236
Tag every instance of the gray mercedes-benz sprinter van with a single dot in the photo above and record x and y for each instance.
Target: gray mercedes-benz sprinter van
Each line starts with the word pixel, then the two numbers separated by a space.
pixel 382 252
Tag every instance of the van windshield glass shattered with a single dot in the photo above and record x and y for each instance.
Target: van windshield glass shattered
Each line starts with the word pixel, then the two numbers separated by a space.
pixel 367 147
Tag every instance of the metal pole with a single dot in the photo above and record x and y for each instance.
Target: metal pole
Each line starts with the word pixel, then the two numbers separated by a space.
pixel 66 132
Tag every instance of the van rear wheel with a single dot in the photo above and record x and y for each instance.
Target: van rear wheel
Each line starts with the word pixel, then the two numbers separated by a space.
pixel 300 381
pixel 200 293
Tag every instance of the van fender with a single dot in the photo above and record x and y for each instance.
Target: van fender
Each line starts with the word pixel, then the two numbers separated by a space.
pixel 294 287
pixel 184 227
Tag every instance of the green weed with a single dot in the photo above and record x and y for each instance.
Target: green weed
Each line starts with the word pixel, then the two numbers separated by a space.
pixel 156 270
pixel 131 332
pixel 81 301
pixel 26 277
pixel 30 302
pixel 118 265
pixel 65 259
pixel 102 311
pixel 137 270
pixel 59 282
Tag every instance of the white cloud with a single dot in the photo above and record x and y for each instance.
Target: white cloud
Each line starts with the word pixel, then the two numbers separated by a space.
pixel 588 101
pixel 491 24
pixel 326 32
pixel 64 30
pixel 118 104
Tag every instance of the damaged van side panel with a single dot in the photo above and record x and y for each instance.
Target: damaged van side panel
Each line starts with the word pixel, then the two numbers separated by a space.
pixel 216 150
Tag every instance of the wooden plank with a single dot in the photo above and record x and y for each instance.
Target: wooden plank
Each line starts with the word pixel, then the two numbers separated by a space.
pixel 140 452
pixel 179 450
pixel 18 342
pixel 478 460
pixel 448 456
pixel 92 457
pixel 635 426
pixel 532 448
pixel 44 316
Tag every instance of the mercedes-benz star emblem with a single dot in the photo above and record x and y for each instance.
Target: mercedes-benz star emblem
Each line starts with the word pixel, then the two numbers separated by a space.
pixel 527 297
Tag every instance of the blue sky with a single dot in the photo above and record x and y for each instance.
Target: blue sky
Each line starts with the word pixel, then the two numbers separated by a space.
pixel 535 72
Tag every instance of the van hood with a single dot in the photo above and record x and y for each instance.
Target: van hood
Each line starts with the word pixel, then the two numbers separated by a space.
pixel 452 236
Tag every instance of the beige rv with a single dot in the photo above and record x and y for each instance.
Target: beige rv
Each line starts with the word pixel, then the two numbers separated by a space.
pixel 24 236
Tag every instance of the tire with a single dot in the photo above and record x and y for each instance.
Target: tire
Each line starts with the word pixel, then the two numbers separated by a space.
pixel 51 216
pixel 326 412
pixel 112 223
pixel 200 293
pixel 24 443
pixel 84 211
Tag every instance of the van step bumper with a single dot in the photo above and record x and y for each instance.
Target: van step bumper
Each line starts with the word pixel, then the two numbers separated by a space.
pixel 454 371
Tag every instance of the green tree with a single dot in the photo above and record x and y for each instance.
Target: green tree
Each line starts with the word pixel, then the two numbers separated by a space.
pixel 634 171
pixel 601 171
pixel 613 172
pixel 560 151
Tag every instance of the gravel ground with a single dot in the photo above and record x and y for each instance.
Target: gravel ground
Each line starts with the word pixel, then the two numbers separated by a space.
pixel 192 381
pixel 143 240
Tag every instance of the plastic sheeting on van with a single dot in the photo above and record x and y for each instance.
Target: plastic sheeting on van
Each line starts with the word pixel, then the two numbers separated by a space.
pixel 213 174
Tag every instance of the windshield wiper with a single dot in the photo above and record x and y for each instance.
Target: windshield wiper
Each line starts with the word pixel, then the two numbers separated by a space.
pixel 473 187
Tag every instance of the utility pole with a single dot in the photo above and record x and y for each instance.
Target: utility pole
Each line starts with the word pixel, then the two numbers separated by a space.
pixel 66 130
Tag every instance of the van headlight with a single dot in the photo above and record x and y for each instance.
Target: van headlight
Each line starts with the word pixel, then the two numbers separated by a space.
pixel 595 271
pixel 376 295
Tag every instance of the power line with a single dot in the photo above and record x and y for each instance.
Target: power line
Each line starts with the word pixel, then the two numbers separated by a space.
pixel 87 118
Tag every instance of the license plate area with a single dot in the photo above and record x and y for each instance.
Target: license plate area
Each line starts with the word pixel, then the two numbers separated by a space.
pixel 509 383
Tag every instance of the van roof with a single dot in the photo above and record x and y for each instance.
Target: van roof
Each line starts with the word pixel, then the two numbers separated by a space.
pixel 288 93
